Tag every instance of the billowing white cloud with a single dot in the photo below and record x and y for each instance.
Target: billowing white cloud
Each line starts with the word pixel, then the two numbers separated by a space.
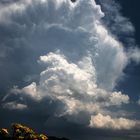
pixel 134 54
pixel 72 84
pixel 139 102
pixel 80 62
pixel 101 121
pixel 117 98
pixel 14 106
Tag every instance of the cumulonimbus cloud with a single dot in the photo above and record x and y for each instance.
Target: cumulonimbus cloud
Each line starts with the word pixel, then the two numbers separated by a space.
pixel 101 121
pixel 81 62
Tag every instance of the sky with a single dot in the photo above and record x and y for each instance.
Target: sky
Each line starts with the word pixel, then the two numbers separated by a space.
pixel 71 69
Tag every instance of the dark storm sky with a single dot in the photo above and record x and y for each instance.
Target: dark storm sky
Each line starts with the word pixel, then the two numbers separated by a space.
pixel 130 9
pixel 131 84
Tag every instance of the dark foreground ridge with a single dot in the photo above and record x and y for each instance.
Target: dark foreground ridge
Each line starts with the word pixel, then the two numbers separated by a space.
pixel 22 132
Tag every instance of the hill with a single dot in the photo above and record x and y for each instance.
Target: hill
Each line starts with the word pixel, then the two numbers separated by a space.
pixel 22 132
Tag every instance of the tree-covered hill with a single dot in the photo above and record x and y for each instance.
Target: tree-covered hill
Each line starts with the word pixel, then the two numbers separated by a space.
pixel 22 132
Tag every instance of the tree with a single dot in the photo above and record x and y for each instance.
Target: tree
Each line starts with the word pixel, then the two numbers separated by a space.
pixel 4 132
pixel 21 132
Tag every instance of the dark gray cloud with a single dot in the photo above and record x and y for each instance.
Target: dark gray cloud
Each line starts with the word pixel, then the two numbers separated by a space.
pixel 8 1
pixel 115 21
